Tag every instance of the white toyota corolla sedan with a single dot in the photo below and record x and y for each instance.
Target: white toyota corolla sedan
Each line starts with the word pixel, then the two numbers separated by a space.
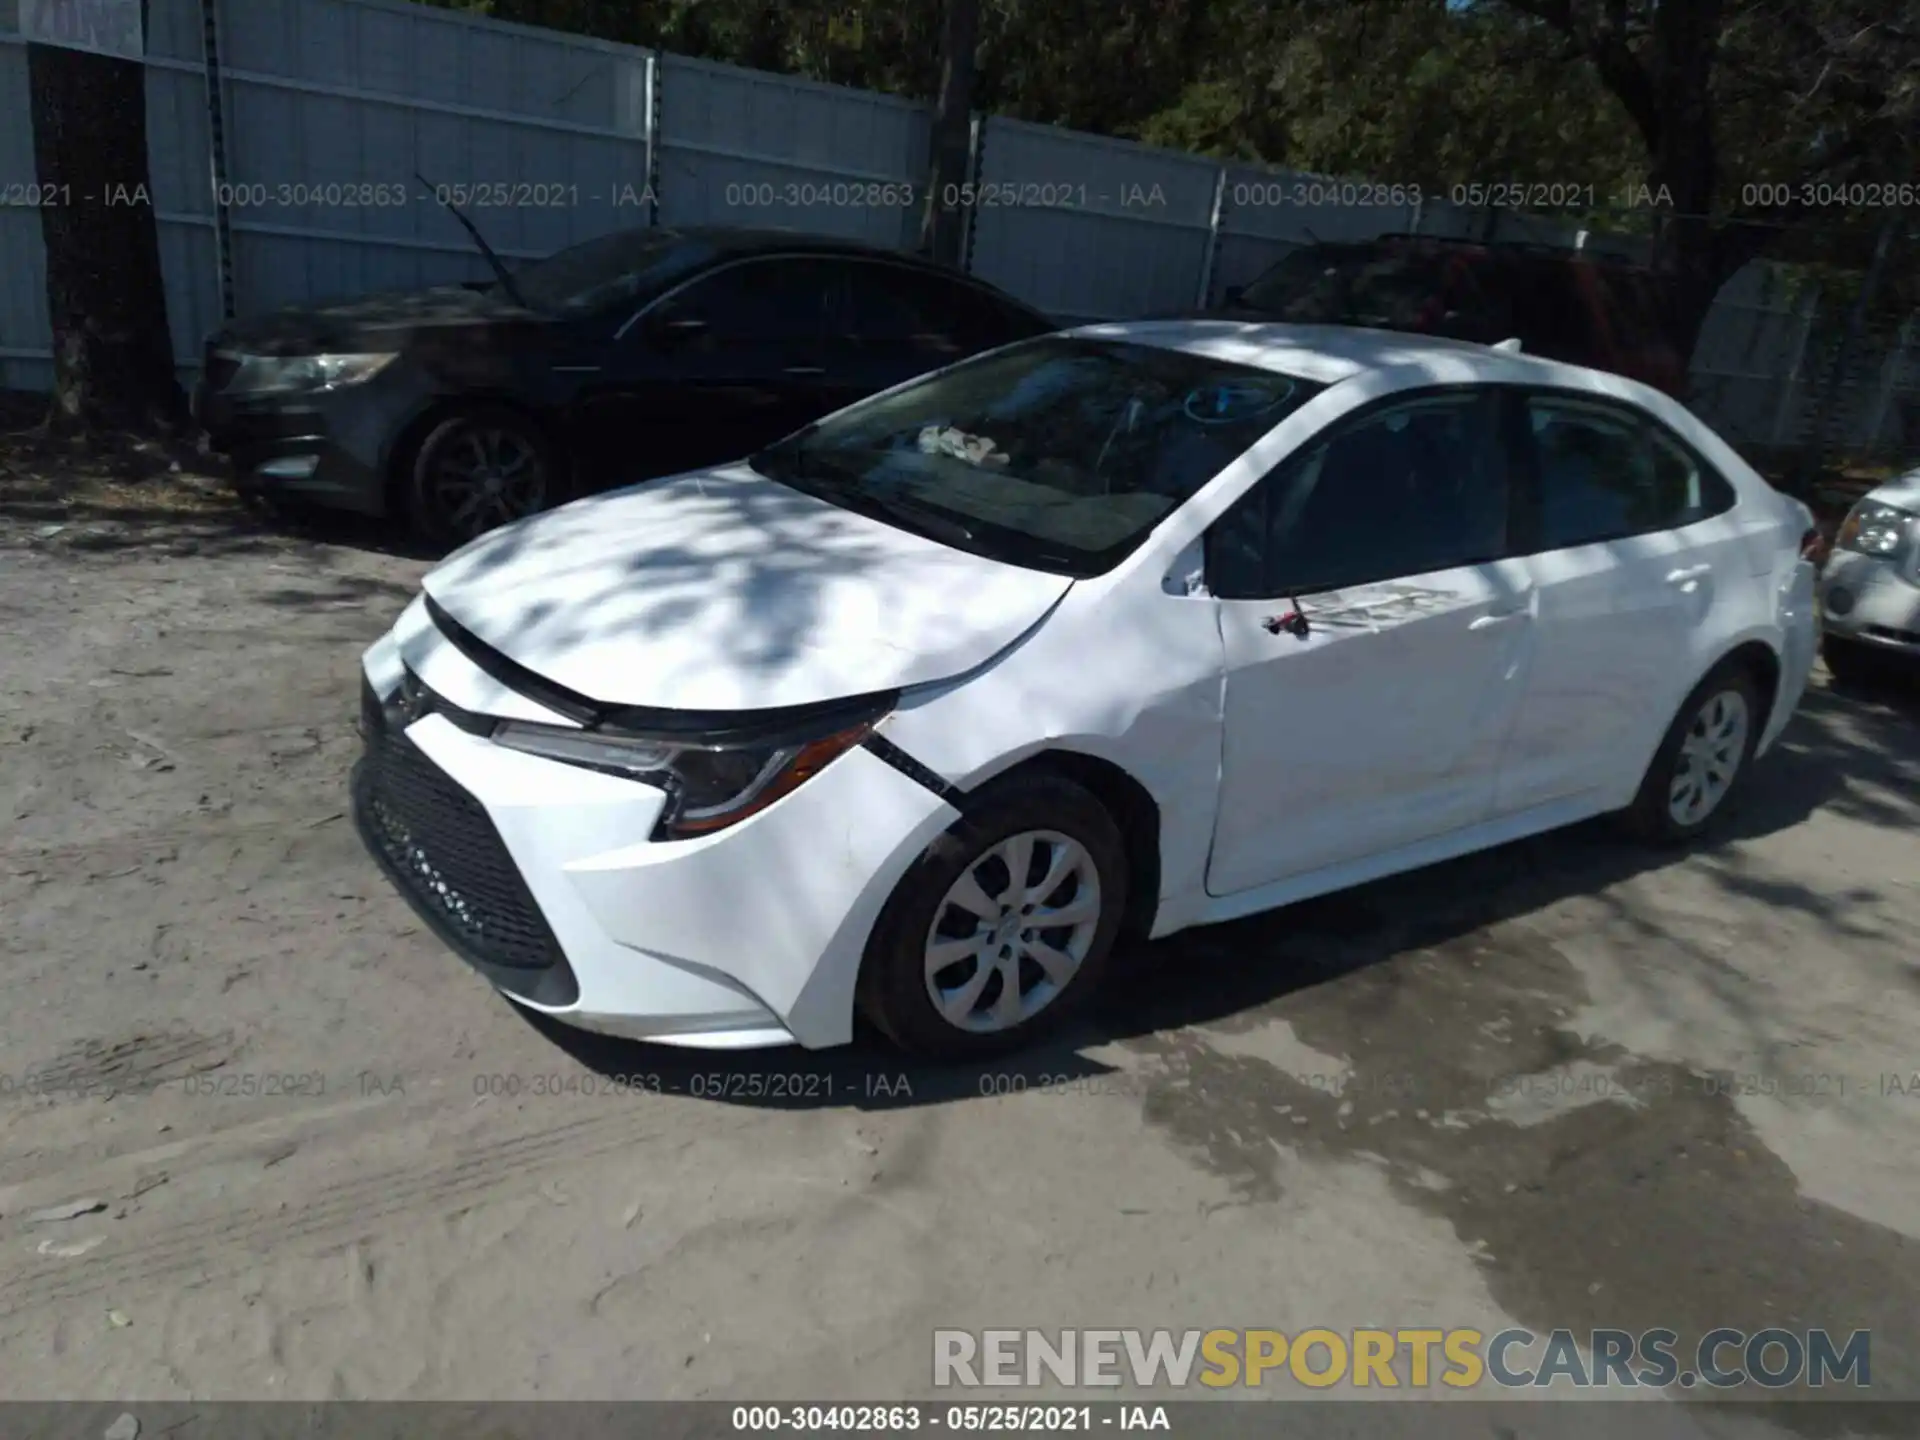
pixel 1102 635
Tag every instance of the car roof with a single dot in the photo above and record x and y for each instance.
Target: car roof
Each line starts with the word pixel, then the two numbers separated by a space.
pixel 1329 354
pixel 733 242
pixel 1496 251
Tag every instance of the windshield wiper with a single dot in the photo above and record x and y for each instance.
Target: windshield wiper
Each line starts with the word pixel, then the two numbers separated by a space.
pixel 500 270
pixel 924 516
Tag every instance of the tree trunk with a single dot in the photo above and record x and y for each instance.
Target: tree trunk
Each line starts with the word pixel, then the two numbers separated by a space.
pixel 112 352
pixel 1685 168
pixel 943 226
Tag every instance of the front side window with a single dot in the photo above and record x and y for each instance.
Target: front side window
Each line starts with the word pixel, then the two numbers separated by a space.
pixel 757 300
pixel 1060 453
pixel 1605 475
pixel 1416 487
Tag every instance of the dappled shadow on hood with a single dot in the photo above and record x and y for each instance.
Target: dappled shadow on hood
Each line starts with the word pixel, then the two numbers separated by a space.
pixel 724 590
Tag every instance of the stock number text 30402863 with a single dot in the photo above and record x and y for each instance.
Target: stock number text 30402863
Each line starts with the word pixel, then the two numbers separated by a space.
pixel 881 1419
pixel 769 1085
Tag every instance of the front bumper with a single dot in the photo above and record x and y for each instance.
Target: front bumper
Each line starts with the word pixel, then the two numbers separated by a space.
pixel 325 449
pixel 1872 601
pixel 752 936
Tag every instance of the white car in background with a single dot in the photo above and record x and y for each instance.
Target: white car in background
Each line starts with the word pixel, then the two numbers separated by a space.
pixel 1870 587
pixel 1109 633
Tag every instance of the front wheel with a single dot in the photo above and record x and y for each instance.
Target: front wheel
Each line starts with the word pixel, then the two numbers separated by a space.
pixel 477 471
pixel 1003 927
pixel 1704 756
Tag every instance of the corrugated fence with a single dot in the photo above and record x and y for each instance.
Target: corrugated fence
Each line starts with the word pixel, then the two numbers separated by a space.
pixel 345 120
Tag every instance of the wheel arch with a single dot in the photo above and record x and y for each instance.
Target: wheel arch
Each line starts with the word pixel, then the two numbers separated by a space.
pixel 1761 659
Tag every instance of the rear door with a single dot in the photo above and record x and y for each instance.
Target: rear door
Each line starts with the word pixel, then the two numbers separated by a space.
pixel 1637 564
pixel 1381 725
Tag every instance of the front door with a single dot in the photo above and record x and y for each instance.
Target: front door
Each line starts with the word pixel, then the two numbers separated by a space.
pixel 1381 724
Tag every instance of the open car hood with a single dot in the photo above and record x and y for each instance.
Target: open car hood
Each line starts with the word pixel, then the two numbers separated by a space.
pixel 724 591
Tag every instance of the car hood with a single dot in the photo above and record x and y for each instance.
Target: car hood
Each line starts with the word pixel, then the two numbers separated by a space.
pixel 722 590
pixel 383 322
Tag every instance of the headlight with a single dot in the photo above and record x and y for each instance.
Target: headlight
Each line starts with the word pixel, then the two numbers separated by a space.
pixel 1876 529
pixel 709 786
pixel 294 374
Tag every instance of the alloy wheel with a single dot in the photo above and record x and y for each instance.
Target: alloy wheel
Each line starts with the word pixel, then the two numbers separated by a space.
pixel 1012 931
pixel 1710 756
pixel 485 477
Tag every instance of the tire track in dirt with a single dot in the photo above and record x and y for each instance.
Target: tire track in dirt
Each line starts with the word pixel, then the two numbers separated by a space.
pixel 219 1245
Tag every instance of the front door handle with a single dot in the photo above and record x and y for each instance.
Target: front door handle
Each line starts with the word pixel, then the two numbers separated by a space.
pixel 1689 574
pixel 806 370
pixel 1499 617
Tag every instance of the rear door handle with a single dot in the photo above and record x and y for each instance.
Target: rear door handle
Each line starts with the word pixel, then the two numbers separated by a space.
pixel 1691 572
pixel 806 370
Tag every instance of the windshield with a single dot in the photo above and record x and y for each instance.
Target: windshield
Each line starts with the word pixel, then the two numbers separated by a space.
pixel 1057 454
pixel 610 270
pixel 1365 287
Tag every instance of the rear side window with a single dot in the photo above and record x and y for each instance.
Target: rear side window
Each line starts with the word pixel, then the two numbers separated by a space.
pixel 894 304
pixel 1605 475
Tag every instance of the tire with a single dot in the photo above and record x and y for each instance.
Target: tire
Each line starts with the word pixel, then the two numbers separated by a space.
pixel 1060 820
pixel 445 488
pixel 1850 663
pixel 1726 704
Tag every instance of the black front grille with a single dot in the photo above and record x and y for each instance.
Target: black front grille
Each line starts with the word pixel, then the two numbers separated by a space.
pixel 441 846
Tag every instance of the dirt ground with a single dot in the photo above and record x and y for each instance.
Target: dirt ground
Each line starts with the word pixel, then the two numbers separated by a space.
pixel 1564 1084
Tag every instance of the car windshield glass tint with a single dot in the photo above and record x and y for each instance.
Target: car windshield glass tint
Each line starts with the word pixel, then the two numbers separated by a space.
pixel 1391 292
pixel 1059 453
pixel 610 270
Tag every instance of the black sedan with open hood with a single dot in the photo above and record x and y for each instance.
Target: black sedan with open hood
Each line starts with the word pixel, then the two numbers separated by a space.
pixel 638 354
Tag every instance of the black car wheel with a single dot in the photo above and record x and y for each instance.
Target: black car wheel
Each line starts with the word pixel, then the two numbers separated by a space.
pixel 477 471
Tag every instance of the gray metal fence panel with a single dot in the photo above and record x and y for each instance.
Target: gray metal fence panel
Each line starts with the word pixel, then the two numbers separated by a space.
pixel 25 338
pixel 1089 228
pixel 333 106
pixel 1743 364
pixel 741 147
